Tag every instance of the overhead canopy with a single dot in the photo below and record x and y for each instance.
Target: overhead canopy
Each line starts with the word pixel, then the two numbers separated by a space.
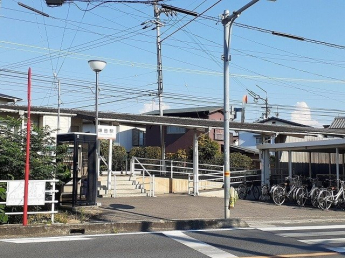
pixel 191 123
pixel 323 146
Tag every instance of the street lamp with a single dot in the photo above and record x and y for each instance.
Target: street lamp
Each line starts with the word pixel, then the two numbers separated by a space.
pixel 97 66
pixel 228 20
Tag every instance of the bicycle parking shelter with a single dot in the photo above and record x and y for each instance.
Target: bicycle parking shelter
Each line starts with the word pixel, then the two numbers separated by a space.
pixel 330 146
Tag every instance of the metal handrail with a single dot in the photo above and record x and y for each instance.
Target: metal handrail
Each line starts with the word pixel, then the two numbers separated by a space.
pixel 144 170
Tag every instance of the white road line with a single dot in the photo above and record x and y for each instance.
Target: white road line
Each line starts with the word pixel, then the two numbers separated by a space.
pixel 197 245
pixel 324 241
pixel 337 249
pixel 301 228
pixel 45 239
pixel 319 233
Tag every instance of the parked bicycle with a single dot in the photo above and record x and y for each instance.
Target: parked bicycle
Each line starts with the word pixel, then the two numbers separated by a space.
pixel 280 192
pixel 265 193
pixel 332 196
pixel 247 188
pixel 308 192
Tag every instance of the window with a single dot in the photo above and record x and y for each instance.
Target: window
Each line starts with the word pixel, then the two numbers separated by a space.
pixel 258 139
pixel 138 137
pixel 219 134
pixel 175 130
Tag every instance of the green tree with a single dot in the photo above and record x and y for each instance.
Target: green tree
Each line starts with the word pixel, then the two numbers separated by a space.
pixel 13 152
pixel 119 156
pixel 238 160
pixel 3 216
pixel 207 148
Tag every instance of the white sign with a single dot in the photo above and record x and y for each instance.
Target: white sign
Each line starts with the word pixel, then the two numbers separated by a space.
pixel 106 132
pixel 15 193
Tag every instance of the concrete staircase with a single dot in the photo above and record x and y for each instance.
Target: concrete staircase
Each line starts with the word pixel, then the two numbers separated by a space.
pixel 126 186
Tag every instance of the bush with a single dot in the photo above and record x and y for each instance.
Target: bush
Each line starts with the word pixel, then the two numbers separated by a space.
pixel 3 216
pixel 119 156
pixel 145 152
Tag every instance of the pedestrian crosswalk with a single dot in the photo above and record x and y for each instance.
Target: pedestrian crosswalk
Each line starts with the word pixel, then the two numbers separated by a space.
pixel 331 237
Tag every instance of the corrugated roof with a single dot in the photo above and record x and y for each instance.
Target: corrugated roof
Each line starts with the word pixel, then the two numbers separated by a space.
pixel 143 120
pixel 338 123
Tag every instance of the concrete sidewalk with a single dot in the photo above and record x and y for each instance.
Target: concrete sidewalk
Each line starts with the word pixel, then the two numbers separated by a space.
pixel 175 211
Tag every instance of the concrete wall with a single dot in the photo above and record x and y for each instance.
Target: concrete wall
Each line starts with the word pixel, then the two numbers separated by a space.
pixel 172 185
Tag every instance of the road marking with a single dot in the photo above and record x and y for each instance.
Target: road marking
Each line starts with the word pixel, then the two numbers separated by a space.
pixel 301 228
pixel 197 245
pixel 337 249
pixel 319 233
pixel 295 255
pixel 324 241
pixel 45 239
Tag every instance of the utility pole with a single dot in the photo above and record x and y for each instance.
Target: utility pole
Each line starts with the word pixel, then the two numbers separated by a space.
pixel 59 102
pixel 159 74
pixel 227 21
pixel 265 100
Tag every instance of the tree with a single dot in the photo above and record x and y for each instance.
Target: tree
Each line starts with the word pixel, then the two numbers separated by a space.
pixel 43 152
pixel 119 155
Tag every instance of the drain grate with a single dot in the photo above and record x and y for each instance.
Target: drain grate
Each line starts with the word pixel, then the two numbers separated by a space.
pixel 77 231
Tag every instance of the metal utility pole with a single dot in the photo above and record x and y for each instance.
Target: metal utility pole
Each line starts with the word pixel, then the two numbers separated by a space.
pixel 159 74
pixel 265 100
pixel 227 21
pixel 59 102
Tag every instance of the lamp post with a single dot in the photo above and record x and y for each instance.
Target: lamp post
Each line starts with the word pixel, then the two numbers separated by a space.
pixel 97 66
pixel 227 21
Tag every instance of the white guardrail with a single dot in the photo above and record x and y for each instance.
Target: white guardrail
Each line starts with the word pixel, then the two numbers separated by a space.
pixel 209 176
pixel 40 193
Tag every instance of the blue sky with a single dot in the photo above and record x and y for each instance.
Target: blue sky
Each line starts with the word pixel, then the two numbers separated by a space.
pixel 304 80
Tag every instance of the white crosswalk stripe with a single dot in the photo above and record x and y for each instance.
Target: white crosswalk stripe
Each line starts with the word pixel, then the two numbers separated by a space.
pixel 331 237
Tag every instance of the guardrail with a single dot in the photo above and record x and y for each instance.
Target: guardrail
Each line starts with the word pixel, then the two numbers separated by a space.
pixel 209 176
pixel 17 195
pixel 144 171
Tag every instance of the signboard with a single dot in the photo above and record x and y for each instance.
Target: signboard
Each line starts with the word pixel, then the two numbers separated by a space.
pixel 15 193
pixel 106 132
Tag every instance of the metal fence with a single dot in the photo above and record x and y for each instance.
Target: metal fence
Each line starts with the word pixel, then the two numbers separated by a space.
pixel 49 196
pixel 208 177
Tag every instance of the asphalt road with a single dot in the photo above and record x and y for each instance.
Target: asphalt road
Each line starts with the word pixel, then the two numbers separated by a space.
pixel 293 241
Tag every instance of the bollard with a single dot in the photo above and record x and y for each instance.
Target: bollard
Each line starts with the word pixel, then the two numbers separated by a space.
pixel 232 198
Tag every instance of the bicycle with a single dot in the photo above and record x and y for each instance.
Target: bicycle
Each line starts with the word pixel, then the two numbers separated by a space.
pixel 327 198
pixel 244 190
pixel 280 194
pixel 303 194
pixel 265 193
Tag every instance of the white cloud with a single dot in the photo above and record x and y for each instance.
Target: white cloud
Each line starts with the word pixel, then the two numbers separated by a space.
pixel 302 115
pixel 148 107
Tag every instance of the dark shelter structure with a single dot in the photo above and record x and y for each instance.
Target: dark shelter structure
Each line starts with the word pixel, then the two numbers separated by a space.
pixel 81 161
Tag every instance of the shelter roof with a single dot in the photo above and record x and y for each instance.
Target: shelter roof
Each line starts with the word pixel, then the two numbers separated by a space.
pixel 206 109
pixel 322 146
pixel 191 123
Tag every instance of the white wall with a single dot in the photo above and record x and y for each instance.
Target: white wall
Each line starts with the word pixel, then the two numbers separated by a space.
pixel 51 121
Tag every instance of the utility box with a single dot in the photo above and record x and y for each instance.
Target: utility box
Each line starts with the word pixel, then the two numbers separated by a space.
pixel 81 161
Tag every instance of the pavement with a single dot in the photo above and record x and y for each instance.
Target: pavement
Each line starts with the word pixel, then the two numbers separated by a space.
pixel 176 212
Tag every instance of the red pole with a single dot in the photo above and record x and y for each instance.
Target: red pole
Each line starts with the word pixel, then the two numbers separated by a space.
pixel 27 163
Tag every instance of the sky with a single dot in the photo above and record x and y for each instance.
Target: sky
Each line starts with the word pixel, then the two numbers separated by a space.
pixel 303 81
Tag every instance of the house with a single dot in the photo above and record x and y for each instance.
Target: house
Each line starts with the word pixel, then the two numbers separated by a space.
pixel 6 99
pixel 250 140
pixel 72 120
pixel 180 137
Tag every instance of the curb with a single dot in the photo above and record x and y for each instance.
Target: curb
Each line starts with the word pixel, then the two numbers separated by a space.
pixel 16 231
